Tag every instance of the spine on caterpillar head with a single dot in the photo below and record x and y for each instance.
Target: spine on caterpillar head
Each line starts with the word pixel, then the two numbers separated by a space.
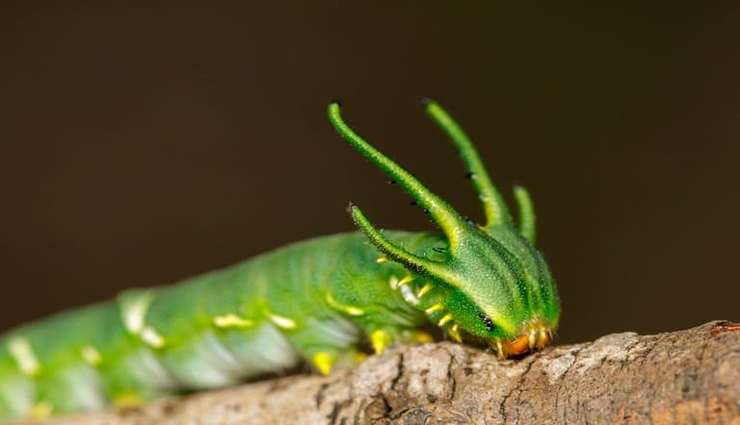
pixel 315 300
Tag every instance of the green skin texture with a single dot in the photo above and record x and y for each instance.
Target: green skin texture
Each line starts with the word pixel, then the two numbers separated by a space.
pixel 334 290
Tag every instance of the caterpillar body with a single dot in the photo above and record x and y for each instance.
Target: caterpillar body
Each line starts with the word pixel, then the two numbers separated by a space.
pixel 314 301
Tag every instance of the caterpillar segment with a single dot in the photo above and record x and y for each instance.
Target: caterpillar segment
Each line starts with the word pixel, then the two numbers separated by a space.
pixel 317 302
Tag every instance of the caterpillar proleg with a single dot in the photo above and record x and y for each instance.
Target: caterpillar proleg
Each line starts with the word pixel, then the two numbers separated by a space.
pixel 316 301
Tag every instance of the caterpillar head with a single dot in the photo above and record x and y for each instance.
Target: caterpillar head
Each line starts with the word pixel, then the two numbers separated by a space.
pixel 492 285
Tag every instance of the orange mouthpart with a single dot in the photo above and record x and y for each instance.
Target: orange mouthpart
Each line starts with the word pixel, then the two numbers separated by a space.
pixel 517 346
pixel 535 338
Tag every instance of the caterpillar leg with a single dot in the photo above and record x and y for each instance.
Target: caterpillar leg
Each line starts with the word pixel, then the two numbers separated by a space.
pixel 326 359
pixel 323 361
pixel 382 338
pixel 329 359
pixel 326 342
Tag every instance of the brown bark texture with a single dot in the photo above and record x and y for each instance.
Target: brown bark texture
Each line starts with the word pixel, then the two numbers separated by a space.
pixel 685 377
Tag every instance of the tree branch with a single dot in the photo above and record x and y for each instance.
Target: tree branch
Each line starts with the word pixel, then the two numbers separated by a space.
pixel 684 377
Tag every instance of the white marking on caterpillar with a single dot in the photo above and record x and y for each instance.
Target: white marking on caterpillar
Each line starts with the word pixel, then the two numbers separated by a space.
pixel 149 371
pixel 231 321
pixel 88 388
pixel 264 349
pixel 339 331
pixel 204 363
pixel 282 321
pixel 22 353
pixel 393 282
pixel 134 306
pixel 408 295
pixel 133 309
pixel 151 337
pixel 91 355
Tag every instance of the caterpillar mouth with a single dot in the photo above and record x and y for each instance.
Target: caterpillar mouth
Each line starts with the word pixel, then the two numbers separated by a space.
pixel 535 338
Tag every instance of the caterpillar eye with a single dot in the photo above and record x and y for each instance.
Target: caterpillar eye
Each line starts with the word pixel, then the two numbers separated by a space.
pixel 486 321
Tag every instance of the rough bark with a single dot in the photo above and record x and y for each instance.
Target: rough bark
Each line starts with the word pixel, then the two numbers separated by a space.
pixel 684 377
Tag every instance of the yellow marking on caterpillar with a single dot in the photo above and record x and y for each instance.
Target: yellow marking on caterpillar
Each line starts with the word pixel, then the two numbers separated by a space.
pixel 91 355
pixel 351 310
pixel 393 282
pixel 152 338
pixel 380 340
pixel 447 317
pixel 381 260
pixel 405 280
pixel 127 399
pixel 323 361
pixel 22 353
pixel 41 410
pixel 424 290
pixel 231 321
pixel 283 322
pixel 454 333
pixel 432 309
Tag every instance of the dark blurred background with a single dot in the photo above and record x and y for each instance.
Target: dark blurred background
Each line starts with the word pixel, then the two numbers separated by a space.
pixel 139 146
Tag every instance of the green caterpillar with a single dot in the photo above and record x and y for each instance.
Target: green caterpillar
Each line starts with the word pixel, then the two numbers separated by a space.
pixel 316 300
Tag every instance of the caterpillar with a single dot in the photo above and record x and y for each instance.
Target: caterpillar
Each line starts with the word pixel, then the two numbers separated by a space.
pixel 315 301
